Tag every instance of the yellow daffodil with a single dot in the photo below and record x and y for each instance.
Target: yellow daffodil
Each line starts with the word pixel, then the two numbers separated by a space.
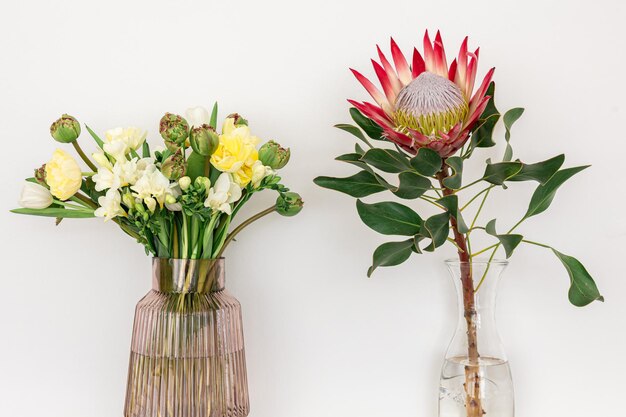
pixel 63 175
pixel 236 152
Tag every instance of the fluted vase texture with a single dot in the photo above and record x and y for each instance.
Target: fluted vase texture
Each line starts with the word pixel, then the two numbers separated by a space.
pixel 475 377
pixel 187 353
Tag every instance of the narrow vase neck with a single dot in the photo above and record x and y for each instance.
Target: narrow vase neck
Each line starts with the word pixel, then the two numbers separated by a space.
pixel 188 275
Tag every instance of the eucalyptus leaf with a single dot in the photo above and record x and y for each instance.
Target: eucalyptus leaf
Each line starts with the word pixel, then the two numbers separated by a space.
pixel 426 162
pixel 509 241
pixel 583 289
pixel 544 194
pixel 412 185
pixel 455 180
pixel 389 218
pixel 386 160
pixel 391 254
pixel 358 185
pixel 55 212
pixel 370 127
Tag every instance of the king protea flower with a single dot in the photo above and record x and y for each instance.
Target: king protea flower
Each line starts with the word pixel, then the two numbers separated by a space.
pixel 428 103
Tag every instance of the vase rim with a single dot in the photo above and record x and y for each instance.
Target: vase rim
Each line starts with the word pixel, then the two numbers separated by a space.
pixel 477 261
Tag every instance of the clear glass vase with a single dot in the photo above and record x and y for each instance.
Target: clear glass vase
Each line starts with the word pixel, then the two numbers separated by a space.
pixel 187 352
pixel 475 377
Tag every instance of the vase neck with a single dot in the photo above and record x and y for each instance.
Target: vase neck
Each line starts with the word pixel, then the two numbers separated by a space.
pixel 188 275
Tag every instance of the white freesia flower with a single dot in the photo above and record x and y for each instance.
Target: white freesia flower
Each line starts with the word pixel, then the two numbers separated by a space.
pixel 259 171
pixel 110 205
pixel 171 199
pixel 120 141
pixel 35 196
pixel 222 194
pixel 101 159
pixel 121 174
pixel 197 116
pixel 153 184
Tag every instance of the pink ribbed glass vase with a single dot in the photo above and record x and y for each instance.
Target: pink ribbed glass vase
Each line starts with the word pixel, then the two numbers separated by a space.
pixel 187 353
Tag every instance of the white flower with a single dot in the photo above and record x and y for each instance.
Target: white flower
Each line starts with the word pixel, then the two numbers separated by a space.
pixel 153 184
pixel 101 159
pixel 223 193
pixel 35 196
pixel 150 203
pixel 120 141
pixel 197 116
pixel 184 182
pixel 110 206
pixel 121 174
pixel 259 171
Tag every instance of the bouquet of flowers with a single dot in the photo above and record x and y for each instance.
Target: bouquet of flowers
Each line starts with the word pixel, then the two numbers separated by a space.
pixel 415 139
pixel 178 200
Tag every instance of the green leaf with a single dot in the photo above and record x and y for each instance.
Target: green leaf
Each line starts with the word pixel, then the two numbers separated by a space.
pixel 55 212
pixel 389 218
pixel 583 289
pixel 358 185
pixel 499 172
pixel 358 149
pixel 196 165
pixel 95 137
pixel 451 203
pixel 509 241
pixel 509 118
pixel 482 137
pixel 454 181
pixel 370 127
pixel 540 171
pixel 386 160
pixel 412 185
pixel 145 150
pixel 391 254
pixel 353 130
pixel 213 120
pixel 544 194
pixel 426 162
pixel 436 228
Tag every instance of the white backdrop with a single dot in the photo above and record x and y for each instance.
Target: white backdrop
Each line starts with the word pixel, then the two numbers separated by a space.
pixel 322 339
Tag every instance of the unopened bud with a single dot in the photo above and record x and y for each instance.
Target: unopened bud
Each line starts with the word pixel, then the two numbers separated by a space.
pixel 174 130
pixel 204 140
pixel 289 204
pixel 238 120
pixel 66 129
pixel 273 155
pixel 174 166
pixel 184 183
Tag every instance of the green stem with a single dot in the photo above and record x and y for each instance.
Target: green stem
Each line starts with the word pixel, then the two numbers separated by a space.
pixel 433 203
pixel 484 250
pixel 476 196
pixel 243 225
pixel 536 243
pixel 72 206
pixel 78 196
pixel 83 156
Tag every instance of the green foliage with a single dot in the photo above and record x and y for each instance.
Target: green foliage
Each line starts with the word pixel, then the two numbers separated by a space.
pixel 509 241
pixel 499 172
pixel 509 118
pixel 426 162
pixel 454 181
pixel 482 137
pixel 451 203
pixel 370 128
pixel 353 130
pixel 386 160
pixel 391 254
pixel 540 171
pixel 544 194
pixel 358 185
pixel 55 212
pixel 95 137
pixel 436 228
pixel 583 289
pixel 389 218
pixel 412 185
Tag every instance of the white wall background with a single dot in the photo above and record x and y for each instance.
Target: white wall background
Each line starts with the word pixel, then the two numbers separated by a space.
pixel 322 339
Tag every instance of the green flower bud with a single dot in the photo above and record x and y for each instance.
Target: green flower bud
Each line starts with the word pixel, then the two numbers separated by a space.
pixel 66 129
pixel 184 183
pixel 40 175
pixel 174 131
pixel 289 204
pixel 174 166
pixel 128 200
pixel 238 119
pixel 204 140
pixel 202 183
pixel 273 155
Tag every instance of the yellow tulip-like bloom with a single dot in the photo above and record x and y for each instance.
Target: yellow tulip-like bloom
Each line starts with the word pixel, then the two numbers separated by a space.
pixel 63 175
pixel 236 152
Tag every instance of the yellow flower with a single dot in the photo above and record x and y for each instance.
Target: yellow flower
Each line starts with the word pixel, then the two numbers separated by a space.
pixel 236 152
pixel 63 175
